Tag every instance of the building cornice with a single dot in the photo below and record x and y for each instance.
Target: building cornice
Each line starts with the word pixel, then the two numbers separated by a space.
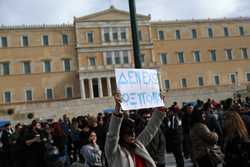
pixel 196 21
pixel 43 26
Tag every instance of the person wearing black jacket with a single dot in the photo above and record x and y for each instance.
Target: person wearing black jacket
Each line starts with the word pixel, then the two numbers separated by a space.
pixel 35 147
pixel 186 122
pixel 174 136
pixel 212 124
pixel 6 141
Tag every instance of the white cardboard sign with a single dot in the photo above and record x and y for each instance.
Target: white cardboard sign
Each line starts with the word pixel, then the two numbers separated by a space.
pixel 139 88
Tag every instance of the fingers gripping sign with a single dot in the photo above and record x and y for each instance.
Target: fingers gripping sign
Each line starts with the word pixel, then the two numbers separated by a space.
pixel 139 88
pixel 117 98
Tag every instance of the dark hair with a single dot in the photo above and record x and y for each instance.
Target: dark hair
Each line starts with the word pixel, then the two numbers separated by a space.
pixel 197 116
pixel 127 126
pixel 33 123
pixel 57 130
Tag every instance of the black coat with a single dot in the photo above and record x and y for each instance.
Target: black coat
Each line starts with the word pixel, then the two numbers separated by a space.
pixel 173 132
pixel 237 152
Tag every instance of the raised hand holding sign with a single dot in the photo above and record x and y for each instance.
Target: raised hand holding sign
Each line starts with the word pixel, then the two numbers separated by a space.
pixel 139 88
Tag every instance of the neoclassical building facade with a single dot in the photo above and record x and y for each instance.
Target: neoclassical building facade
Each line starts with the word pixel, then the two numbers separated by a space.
pixel 40 63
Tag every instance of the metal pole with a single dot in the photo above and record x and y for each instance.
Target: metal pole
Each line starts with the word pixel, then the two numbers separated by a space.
pixel 135 37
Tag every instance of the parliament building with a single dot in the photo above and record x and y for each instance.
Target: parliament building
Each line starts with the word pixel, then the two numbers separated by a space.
pixel 41 63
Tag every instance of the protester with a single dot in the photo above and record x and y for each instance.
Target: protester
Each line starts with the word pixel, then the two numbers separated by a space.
pixel 186 122
pixel 157 147
pixel 35 147
pixel 47 143
pixel 122 148
pixel 6 144
pixel 237 145
pixel 60 141
pixel 101 131
pixel 212 122
pixel 174 134
pixel 202 139
pixel 91 152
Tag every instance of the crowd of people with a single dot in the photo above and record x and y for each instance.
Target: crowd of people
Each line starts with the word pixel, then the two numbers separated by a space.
pixel 207 132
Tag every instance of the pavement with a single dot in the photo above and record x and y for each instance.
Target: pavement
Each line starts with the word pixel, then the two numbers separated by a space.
pixel 171 161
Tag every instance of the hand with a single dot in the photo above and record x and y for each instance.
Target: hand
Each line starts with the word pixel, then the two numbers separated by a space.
pixel 117 98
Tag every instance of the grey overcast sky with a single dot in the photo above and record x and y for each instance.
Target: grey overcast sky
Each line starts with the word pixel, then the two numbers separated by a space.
pixel 18 12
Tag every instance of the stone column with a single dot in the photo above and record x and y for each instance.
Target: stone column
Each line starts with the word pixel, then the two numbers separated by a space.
pixel 82 88
pixel 100 87
pixel 109 86
pixel 91 88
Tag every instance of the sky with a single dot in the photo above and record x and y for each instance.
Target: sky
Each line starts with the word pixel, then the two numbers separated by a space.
pixel 19 12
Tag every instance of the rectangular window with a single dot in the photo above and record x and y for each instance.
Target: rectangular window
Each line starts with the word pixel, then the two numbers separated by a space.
pixel 115 34
pixel 142 58
pixel 49 94
pixel 106 35
pixel 140 35
pixel 92 61
pixel 216 80
pixel 194 33
pixel 47 66
pixel 197 56
pixel 28 95
pixel 65 39
pixel 210 33
pixel 242 32
pixel 68 92
pixel 248 76
pixel 123 34
pixel 200 81
pixel 244 53
pixel 4 42
pixel 7 97
pixel 66 65
pixel 161 35
pixel 213 55
pixel 109 60
pixel 117 57
pixel 163 58
pixel 90 37
pixel 125 57
pixel 25 41
pixel 167 84
pixel 177 34
pixel 45 40
pixel 184 83
pixel 6 68
pixel 226 33
pixel 26 67
pixel 232 78
pixel 180 57
pixel 229 54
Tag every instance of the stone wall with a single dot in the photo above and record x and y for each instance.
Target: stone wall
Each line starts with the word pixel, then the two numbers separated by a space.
pixel 77 107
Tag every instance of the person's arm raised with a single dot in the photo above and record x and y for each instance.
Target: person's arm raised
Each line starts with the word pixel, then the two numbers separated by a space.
pixel 153 125
pixel 112 138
